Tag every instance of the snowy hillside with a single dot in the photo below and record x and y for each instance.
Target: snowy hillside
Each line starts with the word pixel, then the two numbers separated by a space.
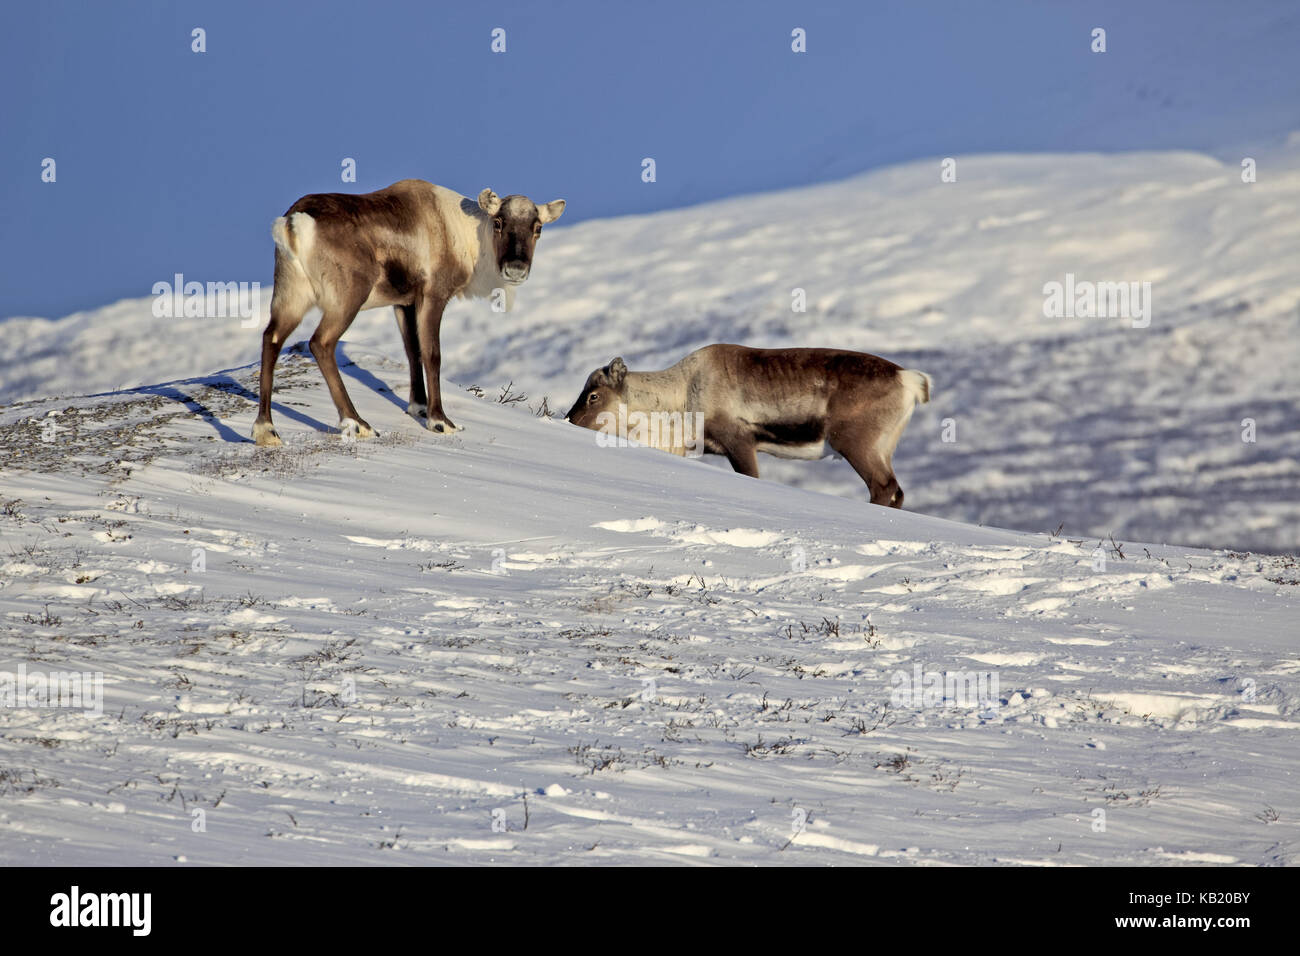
pixel 515 646
pixel 1089 425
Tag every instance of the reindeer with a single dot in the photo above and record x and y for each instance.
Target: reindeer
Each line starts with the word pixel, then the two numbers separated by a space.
pixel 413 246
pixel 790 403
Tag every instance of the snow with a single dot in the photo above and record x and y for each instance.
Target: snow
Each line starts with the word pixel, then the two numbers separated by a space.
pixel 513 645
pixel 611 655
pixel 1090 425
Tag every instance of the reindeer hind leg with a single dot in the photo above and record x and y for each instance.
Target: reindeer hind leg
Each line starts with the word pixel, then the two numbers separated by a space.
pixel 860 452
pixel 290 301
pixel 333 324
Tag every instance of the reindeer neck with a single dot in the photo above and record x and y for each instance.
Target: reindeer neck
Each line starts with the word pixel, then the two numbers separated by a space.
pixel 656 391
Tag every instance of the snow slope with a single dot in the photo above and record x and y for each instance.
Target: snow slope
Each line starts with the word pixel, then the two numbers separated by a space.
pixel 1090 425
pixel 513 646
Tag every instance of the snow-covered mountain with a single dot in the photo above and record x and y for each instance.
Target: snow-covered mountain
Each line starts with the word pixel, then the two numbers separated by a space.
pixel 513 645
pixel 1093 426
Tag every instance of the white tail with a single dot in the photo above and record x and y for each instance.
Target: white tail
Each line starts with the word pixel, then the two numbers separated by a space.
pixel 294 234
pixel 916 384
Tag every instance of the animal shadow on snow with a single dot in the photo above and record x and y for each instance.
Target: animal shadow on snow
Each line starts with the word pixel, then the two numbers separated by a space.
pixel 231 387
pixel 371 381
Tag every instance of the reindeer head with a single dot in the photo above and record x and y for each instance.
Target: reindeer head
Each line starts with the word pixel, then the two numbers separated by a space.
pixel 604 390
pixel 516 223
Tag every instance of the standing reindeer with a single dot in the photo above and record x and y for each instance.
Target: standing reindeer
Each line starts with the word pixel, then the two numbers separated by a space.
pixel 791 403
pixel 413 246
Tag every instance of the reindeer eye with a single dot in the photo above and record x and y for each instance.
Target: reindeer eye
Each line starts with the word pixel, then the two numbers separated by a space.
pixel 497 224
pixel 592 398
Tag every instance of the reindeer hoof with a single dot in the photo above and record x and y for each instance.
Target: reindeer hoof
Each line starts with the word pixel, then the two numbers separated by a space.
pixel 264 434
pixel 443 426
pixel 417 409
pixel 351 429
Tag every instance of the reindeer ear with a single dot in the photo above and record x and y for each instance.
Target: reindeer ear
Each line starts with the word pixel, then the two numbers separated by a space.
pixel 551 211
pixel 616 371
pixel 489 202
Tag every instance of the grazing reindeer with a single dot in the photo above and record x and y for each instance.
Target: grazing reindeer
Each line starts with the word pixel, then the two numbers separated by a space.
pixel 413 245
pixel 791 403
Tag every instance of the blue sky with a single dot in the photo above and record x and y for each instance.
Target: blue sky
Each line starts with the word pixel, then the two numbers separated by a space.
pixel 173 161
